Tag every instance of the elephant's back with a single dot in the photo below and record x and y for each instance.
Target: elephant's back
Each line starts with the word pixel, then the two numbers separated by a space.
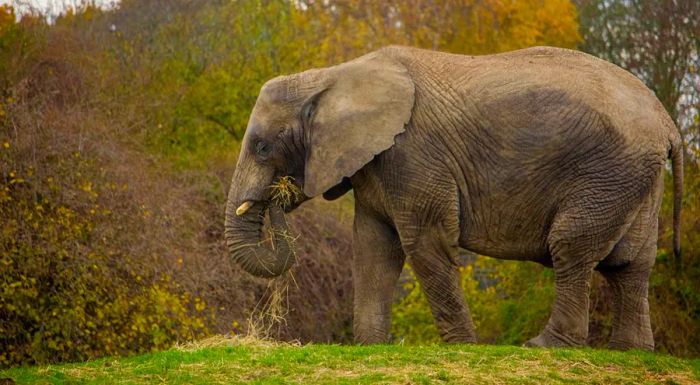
pixel 541 77
pixel 585 82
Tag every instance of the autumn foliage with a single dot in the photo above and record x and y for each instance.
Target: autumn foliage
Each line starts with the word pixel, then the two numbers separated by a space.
pixel 119 130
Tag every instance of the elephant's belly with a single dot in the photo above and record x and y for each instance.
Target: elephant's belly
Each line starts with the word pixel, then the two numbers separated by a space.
pixel 518 251
pixel 510 233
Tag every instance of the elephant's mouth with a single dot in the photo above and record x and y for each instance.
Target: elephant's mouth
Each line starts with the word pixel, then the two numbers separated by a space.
pixel 285 192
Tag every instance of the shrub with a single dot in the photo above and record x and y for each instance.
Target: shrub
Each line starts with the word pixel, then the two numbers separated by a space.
pixel 67 292
pixel 509 302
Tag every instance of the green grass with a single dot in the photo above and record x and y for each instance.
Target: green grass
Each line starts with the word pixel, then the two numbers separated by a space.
pixel 237 361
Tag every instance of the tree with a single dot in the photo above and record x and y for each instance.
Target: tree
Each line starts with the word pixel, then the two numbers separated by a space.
pixel 351 27
pixel 659 41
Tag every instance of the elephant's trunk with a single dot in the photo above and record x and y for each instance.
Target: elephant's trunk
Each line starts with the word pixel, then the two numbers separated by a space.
pixel 243 235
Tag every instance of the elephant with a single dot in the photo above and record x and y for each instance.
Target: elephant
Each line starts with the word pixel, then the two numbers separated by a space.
pixel 540 154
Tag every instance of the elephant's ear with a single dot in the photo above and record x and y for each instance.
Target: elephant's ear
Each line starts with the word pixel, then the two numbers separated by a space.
pixel 367 102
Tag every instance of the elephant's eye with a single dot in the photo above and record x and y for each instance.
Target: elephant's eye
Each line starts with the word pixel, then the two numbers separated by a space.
pixel 262 149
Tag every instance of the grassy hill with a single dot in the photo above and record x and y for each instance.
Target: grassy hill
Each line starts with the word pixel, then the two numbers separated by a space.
pixel 221 360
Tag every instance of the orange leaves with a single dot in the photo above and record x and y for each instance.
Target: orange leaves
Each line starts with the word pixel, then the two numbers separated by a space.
pixel 7 18
pixel 352 27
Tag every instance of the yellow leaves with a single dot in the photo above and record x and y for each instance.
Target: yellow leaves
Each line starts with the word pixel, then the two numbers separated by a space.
pixel 5 195
pixel 86 301
pixel 3 105
pixel 52 344
pixel 89 188
pixel 199 305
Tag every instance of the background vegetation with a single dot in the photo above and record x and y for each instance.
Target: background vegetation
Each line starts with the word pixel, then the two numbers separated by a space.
pixel 119 131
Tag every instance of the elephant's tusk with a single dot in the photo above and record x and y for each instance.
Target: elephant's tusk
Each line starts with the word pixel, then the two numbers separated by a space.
pixel 243 208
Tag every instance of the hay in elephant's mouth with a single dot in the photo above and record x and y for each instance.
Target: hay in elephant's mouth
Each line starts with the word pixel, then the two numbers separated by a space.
pixel 285 192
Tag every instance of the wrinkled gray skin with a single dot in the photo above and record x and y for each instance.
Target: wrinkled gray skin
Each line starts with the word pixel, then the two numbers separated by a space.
pixel 542 154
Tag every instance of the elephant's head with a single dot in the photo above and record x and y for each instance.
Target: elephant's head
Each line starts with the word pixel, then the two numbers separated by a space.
pixel 319 127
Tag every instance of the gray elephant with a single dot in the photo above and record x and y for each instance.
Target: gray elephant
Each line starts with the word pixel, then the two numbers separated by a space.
pixel 542 154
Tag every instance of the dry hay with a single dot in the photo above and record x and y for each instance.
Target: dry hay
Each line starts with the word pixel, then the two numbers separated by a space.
pixel 285 192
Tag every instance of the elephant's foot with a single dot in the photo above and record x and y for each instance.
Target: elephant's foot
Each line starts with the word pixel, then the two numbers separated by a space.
pixel 461 339
pixel 635 332
pixel 365 339
pixel 371 329
pixel 634 335
pixel 627 345
pixel 550 338
pixel 459 336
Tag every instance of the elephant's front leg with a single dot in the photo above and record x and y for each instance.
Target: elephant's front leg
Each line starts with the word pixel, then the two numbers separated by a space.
pixel 377 264
pixel 432 254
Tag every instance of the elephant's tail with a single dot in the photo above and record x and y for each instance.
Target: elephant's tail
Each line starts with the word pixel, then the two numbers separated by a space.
pixel 677 168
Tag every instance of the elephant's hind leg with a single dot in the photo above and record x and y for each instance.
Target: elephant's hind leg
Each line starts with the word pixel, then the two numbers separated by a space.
pixel 568 321
pixel 377 264
pixel 627 270
pixel 578 240
pixel 631 327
